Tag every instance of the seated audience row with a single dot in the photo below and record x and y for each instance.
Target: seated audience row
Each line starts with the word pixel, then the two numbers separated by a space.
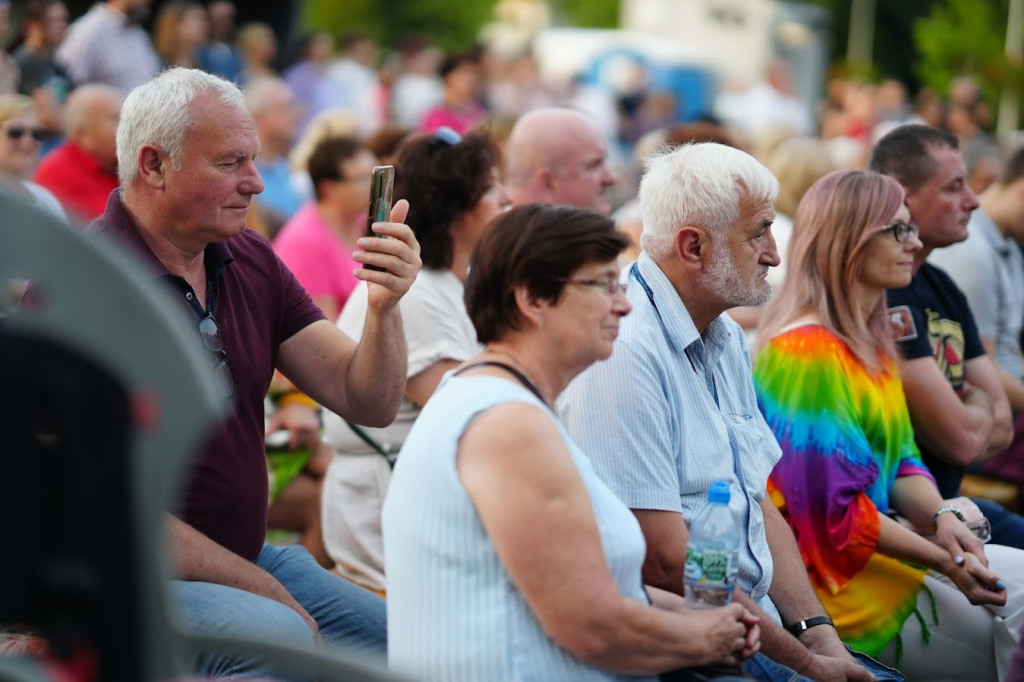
pixel 520 556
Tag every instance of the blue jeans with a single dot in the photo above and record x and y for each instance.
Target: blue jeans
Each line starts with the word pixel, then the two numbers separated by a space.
pixel 1007 527
pixel 764 669
pixel 711 673
pixel 347 615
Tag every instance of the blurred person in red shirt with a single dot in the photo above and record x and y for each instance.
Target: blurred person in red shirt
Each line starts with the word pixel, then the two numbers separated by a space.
pixel 82 171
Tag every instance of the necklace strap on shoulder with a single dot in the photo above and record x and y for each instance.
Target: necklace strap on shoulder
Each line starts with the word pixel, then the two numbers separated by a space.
pixel 523 379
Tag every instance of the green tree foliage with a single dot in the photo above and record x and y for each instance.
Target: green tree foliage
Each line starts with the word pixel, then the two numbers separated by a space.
pixel 449 24
pixel 963 37
pixel 338 17
pixel 893 50
pixel 587 13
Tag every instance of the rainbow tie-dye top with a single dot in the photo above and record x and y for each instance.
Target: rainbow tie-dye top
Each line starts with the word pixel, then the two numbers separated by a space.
pixel 846 436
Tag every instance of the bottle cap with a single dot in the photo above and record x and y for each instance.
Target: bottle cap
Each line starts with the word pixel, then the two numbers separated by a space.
pixel 719 492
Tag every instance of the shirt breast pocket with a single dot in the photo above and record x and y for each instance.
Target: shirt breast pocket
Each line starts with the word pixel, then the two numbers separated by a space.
pixel 756 453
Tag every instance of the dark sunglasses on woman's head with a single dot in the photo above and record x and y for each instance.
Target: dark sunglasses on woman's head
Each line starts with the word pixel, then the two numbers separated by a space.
pixel 902 230
pixel 15 132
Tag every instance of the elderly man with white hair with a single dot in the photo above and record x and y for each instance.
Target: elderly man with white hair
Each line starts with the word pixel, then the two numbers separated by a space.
pixel 186 150
pixel 674 408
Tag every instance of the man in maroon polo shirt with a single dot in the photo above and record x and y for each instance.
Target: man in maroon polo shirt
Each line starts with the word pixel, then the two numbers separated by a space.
pixel 186 148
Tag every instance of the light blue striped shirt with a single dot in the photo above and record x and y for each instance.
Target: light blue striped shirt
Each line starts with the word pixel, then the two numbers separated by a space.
pixel 454 614
pixel 670 412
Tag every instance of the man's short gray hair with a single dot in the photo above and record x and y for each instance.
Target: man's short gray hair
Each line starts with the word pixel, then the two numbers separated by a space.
pixel 700 185
pixel 157 113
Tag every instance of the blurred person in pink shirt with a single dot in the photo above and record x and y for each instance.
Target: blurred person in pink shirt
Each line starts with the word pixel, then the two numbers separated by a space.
pixel 317 242
pixel 459 110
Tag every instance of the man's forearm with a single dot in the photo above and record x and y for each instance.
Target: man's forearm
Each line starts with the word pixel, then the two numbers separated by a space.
pixel 200 559
pixel 375 381
pixel 197 557
pixel 822 652
pixel 981 417
pixel 791 590
pixel 776 643
pixel 1014 388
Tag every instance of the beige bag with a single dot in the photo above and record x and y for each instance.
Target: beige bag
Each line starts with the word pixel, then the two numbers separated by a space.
pixel 973 517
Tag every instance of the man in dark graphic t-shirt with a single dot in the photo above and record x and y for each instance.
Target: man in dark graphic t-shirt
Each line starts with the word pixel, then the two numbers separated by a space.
pixel 932 320
pixel 956 400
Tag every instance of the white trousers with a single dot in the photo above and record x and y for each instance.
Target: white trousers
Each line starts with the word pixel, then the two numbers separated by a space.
pixel 353 496
pixel 969 642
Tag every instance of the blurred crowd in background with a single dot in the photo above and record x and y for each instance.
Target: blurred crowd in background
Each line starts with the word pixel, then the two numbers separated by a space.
pixel 316 86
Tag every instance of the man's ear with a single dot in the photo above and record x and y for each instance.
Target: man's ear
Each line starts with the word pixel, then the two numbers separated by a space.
pixel 152 166
pixel 692 247
pixel 910 200
pixel 545 179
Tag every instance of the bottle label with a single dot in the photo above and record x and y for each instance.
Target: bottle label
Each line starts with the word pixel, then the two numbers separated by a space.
pixel 715 565
pixel 709 565
pixel 709 578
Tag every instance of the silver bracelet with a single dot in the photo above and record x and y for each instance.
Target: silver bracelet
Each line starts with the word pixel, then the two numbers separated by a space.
pixel 948 508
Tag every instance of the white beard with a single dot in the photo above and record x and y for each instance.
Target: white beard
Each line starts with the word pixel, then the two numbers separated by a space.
pixel 723 280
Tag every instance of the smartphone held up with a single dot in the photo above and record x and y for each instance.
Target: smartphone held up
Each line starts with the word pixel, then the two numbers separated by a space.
pixel 382 185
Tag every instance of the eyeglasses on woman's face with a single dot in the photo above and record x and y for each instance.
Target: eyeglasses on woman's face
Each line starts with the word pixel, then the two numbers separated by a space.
pixel 609 284
pixel 902 230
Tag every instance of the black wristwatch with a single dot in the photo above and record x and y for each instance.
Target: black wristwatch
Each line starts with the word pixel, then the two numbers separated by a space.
pixel 802 626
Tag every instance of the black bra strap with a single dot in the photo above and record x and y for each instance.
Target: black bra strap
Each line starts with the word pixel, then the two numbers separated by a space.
pixel 523 379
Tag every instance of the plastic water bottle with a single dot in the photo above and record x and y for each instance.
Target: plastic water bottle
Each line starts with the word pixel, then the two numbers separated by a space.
pixel 712 561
